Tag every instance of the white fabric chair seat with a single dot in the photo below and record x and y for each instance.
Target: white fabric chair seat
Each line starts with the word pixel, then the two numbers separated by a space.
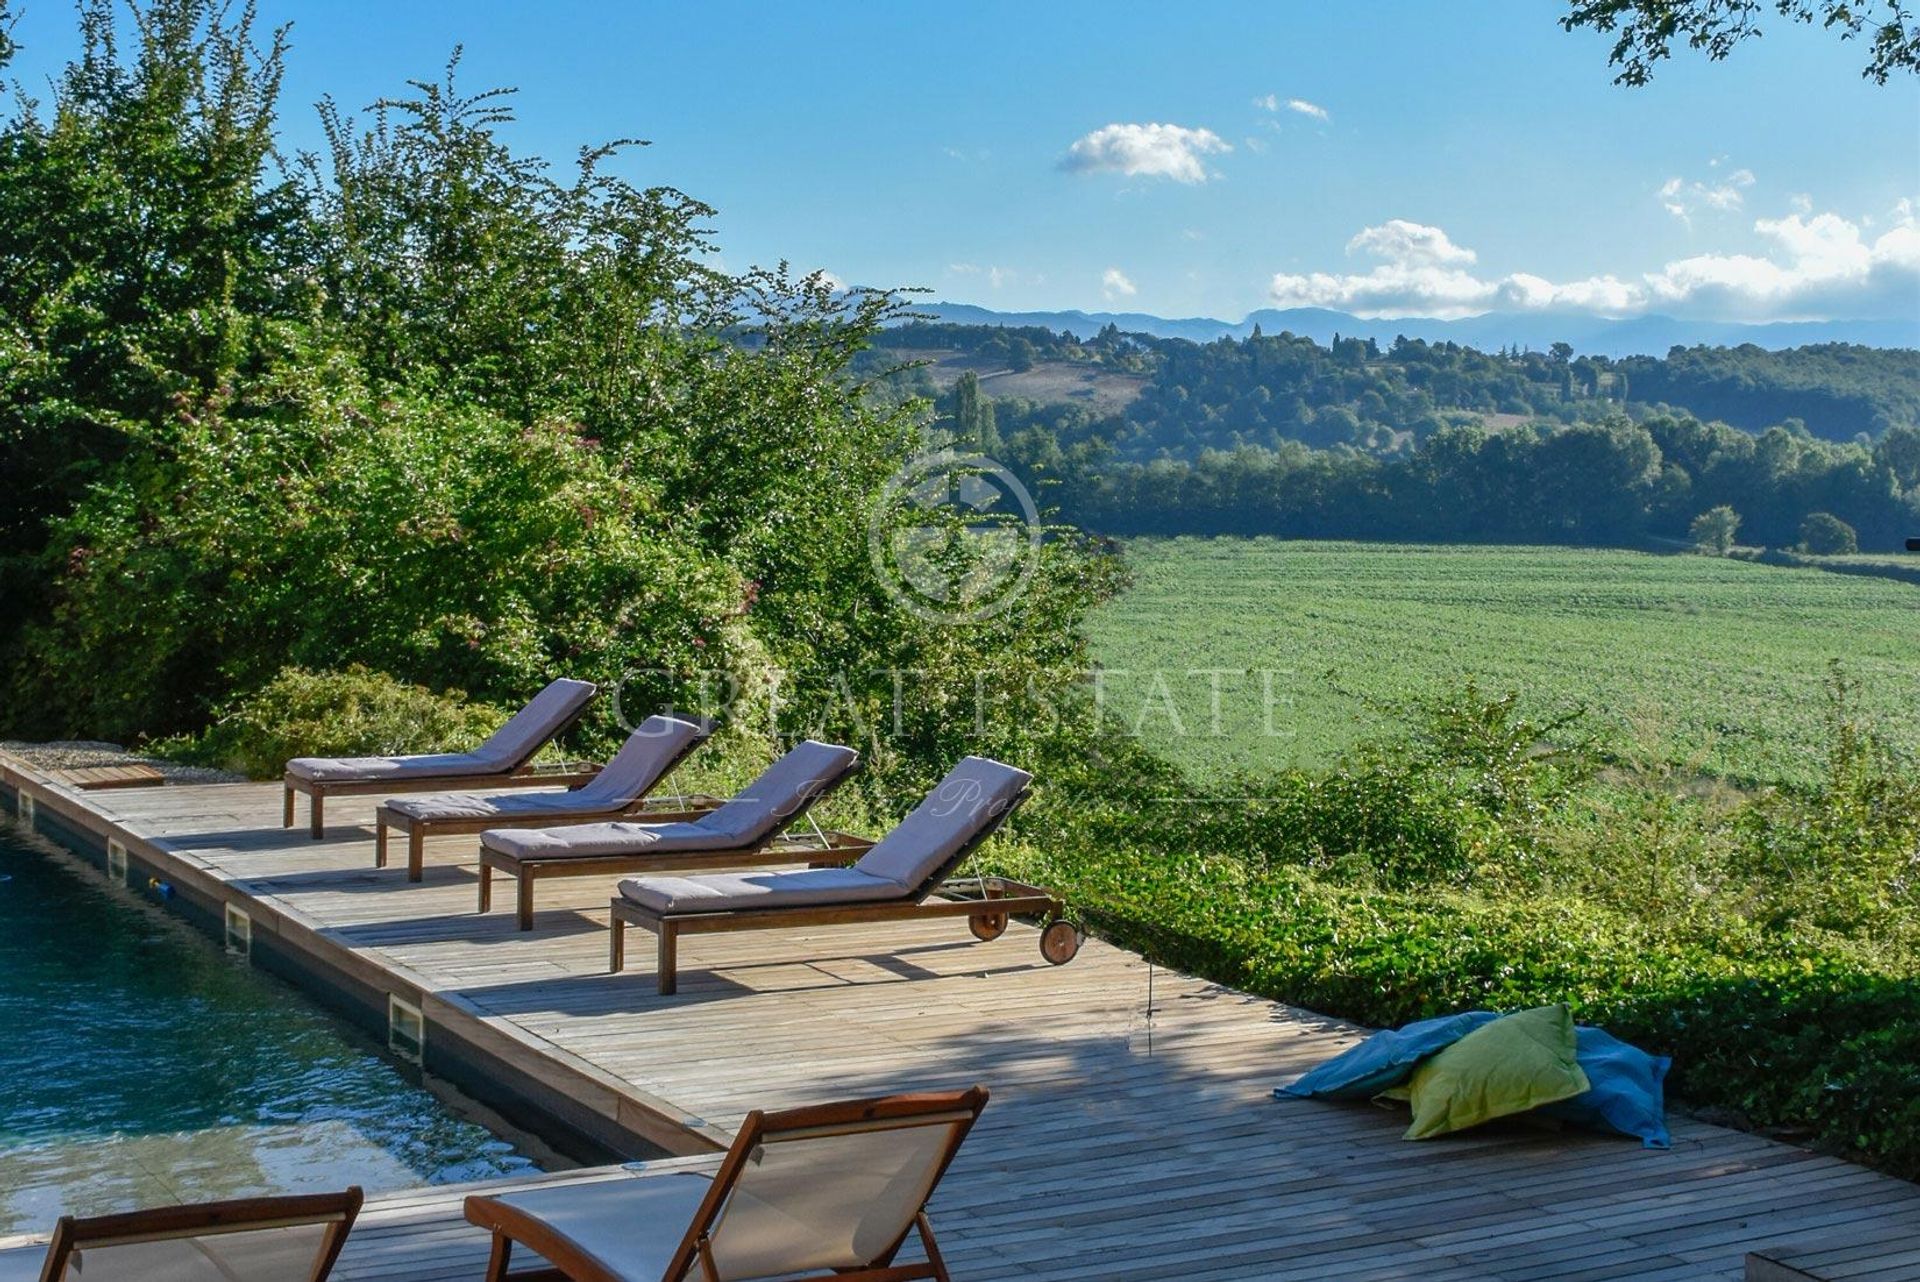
pixel 728 891
pixel 254 1255
pixel 373 769
pixel 630 1227
pixel 622 837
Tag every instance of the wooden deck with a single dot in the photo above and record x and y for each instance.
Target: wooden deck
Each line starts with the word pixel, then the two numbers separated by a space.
pixel 1123 1142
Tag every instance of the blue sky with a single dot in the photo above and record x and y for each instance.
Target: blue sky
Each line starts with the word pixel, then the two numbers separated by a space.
pixel 1389 159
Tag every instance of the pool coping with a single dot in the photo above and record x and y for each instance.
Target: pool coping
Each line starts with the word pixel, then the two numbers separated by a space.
pixel 550 1092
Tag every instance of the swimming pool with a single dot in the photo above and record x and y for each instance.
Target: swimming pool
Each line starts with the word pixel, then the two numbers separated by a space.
pixel 140 1064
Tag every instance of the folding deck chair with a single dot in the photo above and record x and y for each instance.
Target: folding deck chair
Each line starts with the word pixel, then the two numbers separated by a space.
pixel 894 881
pixel 256 1239
pixel 739 834
pixel 503 761
pixel 831 1191
pixel 650 754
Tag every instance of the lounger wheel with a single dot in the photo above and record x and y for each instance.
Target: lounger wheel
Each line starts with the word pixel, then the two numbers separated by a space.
pixel 987 927
pixel 1059 942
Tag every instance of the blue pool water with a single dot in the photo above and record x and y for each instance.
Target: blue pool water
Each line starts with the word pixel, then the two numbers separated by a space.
pixel 140 1064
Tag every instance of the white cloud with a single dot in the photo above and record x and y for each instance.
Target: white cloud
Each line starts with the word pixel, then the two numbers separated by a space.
pixel 996 276
pixel 1146 151
pixel 1818 265
pixel 1275 103
pixel 1683 199
pixel 1400 240
pixel 830 280
pixel 1115 285
pixel 1815 266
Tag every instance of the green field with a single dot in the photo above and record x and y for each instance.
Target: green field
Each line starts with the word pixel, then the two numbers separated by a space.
pixel 1696 659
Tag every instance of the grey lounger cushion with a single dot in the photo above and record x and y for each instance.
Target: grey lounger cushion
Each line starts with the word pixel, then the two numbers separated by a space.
pixel 435 765
pixel 725 891
pixel 901 866
pixel 975 792
pixel 629 1226
pixel 755 814
pixel 642 761
pixel 506 749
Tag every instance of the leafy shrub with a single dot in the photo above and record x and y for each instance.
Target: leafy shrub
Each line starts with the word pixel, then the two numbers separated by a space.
pixel 356 712
pixel 1844 857
pixel 1375 824
pixel 1713 530
pixel 1825 534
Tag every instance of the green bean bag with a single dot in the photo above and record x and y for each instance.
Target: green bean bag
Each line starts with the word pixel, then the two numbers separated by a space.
pixel 1516 1063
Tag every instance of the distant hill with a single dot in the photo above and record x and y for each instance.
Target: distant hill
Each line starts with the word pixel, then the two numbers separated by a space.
pixel 1640 336
pixel 1149 396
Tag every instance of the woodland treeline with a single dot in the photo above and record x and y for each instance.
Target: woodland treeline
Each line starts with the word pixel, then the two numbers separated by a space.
pixel 1283 436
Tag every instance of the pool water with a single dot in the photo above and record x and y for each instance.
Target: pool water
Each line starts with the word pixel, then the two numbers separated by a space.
pixel 140 1065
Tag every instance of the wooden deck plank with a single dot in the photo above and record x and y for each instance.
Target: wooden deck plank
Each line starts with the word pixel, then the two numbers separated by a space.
pixel 1123 1142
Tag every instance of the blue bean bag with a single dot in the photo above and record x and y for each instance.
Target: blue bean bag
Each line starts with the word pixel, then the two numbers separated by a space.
pixel 1625 1092
pixel 1386 1059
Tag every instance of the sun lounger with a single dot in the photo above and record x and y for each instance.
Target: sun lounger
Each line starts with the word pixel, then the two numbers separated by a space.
pixel 740 834
pixel 894 881
pixel 503 761
pixel 620 790
pixel 829 1191
pixel 257 1239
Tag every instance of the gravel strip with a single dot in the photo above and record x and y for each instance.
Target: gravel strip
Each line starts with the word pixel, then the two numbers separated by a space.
pixel 72 754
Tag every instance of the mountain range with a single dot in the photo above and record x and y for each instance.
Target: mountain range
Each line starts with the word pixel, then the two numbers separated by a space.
pixel 1592 335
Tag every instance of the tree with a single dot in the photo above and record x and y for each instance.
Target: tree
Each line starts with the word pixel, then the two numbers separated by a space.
pixel 1713 530
pixel 1561 353
pixel 1647 28
pixel 1899 452
pixel 973 416
pixel 430 368
pixel 1824 534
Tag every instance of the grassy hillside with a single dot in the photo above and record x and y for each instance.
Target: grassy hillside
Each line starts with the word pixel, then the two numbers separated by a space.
pixel 1100 389
pixel 1691 658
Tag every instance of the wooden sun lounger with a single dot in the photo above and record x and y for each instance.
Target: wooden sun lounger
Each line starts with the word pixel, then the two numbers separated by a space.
pixel 830 849
pixel 827 848
pixel 297 1238
pixel 998 899
pixel 827 1191
pixel 653 810
pixel 586 807
pixel 515 771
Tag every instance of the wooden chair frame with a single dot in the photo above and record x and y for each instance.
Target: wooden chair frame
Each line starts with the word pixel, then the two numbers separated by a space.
pixel 838 848
pixel 523 774
pixel 569 1264
pixel 241 1215
pixel 1000 899
pixel 417 830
